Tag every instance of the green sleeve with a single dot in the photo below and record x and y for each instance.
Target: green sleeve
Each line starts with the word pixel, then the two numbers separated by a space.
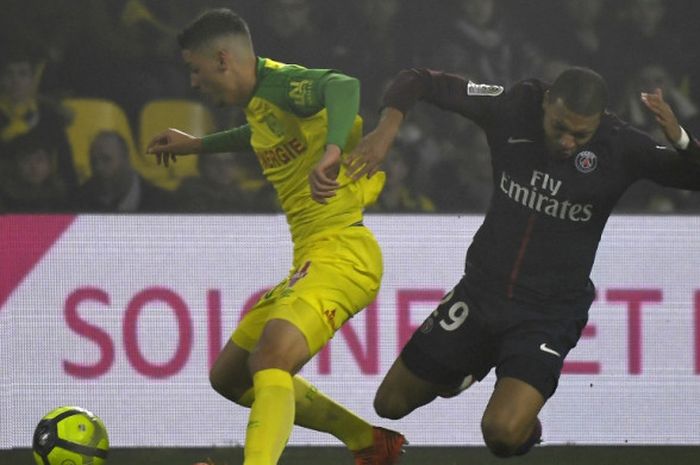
pixel 231 140
pixel 340 94
pixel 304 92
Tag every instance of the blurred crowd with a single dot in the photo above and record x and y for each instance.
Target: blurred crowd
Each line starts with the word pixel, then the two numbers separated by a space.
pixel 125 52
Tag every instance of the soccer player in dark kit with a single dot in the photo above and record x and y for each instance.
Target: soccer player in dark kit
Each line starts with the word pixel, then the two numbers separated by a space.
pixel 560 162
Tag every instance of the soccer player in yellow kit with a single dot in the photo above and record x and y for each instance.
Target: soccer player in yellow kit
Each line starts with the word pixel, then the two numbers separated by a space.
pixel 299 122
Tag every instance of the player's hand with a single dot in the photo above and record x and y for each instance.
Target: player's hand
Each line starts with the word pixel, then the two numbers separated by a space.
pixel 322 178
pixel 172 142
pixel 664 114
pixel 369 154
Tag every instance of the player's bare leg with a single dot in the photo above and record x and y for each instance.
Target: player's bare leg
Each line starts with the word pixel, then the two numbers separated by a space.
pixel 401 392
pixel 510 425
pixel 280 352
pixel 231 378
pixel 281 346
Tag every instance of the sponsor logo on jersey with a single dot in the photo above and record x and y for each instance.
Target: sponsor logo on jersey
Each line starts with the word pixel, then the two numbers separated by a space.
pixel 281 154
pixel 483 90
pixel 586 161
pixel 549 350
pixel 540 195
pixel 300 92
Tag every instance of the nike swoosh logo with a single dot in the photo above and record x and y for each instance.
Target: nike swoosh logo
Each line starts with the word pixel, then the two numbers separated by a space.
pixel 544 348
pixel 661 147
pixel 513 140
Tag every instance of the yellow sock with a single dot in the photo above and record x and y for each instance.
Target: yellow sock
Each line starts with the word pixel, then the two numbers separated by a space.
pixel 271 417
pixel 314 410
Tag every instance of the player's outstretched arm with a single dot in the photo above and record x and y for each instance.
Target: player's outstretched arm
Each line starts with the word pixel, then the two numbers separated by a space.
pixel 664 114
pixel 172 142
pixel 369 154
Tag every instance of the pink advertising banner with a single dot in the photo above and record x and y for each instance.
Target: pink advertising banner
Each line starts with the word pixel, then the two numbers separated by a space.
pixel 124 315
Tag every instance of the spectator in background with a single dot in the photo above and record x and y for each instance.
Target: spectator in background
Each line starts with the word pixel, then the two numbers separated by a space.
pixel 114 185
pixel 478 42
pixel 31 182
pixel 152 27
pixel 425 144
pixel 399 195
pixel 374 40
pixel 84 41
pixel 24 113
pixel 120 51
pixel 225 185
pixel 465 183
pixel 647 197
pixel 572 31
pixel 584 34
pixel 290 29
pixel 646 33
pixel 647 79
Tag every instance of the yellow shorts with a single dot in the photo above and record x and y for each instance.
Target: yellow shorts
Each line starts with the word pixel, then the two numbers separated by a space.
pixel 334 276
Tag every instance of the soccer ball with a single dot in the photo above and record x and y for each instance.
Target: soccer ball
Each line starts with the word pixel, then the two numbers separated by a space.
pixel 70 436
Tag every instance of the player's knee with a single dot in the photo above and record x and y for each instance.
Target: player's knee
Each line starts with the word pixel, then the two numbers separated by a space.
pixel 225 384
pixel 388 406
pixel 218 382
pixel 388 409
pixel 502 436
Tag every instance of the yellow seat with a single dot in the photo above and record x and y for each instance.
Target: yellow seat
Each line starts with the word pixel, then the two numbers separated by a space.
pixel 186 115
pixel 90 116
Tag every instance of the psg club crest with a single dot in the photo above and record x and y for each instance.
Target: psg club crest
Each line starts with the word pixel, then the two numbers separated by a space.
pixel 586 161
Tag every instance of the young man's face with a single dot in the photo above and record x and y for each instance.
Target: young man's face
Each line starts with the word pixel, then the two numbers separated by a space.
pixel 17 81
pixel 565 131
pixel 214 75
pixel 108 159
pixel 35 167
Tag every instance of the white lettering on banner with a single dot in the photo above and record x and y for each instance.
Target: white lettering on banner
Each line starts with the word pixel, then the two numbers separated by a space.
pixel 111 318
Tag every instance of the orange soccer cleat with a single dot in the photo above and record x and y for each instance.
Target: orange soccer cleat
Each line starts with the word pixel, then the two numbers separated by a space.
pixel 386 450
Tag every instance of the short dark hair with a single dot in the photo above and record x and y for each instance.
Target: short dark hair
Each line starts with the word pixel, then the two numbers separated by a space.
pixel 582 90
pixel 210 25
pixel 19 53
pixel 25 145
pixel 114 135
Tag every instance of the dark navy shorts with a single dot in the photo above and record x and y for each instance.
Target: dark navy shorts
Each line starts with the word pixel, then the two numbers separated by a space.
pixel 472 331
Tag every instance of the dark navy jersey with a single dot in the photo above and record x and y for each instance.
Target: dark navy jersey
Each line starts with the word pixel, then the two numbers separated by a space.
pixel 544 222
